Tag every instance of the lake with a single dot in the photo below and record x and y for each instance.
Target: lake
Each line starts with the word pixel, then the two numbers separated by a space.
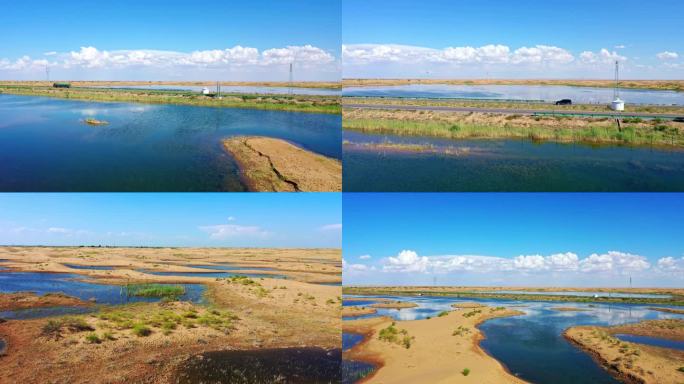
pixel 233 89
pixel 526 343
pixel 77 286
pixel 546 93
pixel 507 165
pixel 46 146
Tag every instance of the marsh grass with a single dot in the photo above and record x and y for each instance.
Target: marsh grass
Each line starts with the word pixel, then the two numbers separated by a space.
pixel 653 134
pixel 293 103
pixel 154 290
pixel 397 336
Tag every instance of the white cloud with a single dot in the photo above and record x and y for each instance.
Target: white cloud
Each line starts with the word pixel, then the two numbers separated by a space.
pixel 229 231
pixel 671 264
pixel 604 56
pixel 619 46
pixel 667 55
pixel 612 262
pixel 331 228
pixel 306 58
pixel 488 54
pixel 231 218
pixel 355 267
pixel 365 257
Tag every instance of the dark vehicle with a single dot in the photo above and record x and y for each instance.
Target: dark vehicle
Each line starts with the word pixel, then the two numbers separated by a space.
pixel 678 119
pixel 564 102
pixel 61 85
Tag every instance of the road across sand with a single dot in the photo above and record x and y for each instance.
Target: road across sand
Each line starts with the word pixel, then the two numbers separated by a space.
pixel 509 111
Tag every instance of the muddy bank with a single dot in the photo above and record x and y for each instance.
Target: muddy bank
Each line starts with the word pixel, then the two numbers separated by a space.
pixel 282 365
pixel 28 300
pixel 633 362
pixel 269 164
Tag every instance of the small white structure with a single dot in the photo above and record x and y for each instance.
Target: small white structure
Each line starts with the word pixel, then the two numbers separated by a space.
pixel 205 91
pixel 617 104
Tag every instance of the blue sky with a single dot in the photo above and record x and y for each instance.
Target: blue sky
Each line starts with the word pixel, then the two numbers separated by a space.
pixel 167 219
pixel 306 31
pixel 514 239
pixel 574 38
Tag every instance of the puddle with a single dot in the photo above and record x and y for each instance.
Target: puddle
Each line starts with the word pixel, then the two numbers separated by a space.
pixel 213 274
pixel 281 365
pixel 90 267
pixel 349 340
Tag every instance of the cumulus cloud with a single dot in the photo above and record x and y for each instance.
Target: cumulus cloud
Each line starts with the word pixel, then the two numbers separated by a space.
pixel 232 231
pixel 667 55
pixel 671 264
pixel 347 267
pixel 365 257
pixel 488 54
pixel 236 58
pixel 603 56
pixel 610 262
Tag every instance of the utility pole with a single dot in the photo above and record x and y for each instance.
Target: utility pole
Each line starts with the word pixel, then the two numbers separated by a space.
pixel 47 72
pixel 289 91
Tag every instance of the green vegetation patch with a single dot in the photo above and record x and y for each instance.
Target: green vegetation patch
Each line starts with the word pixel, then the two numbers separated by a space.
pixel 154 290
pixel 396 336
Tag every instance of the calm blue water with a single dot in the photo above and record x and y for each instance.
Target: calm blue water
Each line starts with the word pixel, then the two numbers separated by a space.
pixel 228 267
pixel 235 89
pixel 526 343
pixel 508 165
pixel 72 285
pixel 353 371
pixel 349 340
pixel 213 274
pixel 586 294
pixel 90 267
pixel 46 146
pixel 548 93
pixel 654 341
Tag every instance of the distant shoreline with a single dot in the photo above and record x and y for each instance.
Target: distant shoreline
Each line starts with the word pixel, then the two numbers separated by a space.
pixel 663 85
pixel 88 83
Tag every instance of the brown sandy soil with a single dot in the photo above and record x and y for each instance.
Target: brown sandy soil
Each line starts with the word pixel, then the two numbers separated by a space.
pixel 269 164
pixel 467 304
pixel 439 350
pixel 676 85
pixel 298 84
pixel 632 362
pixel 668 310
pixel 306 265
pixel 395 305
pixel 269 313
pixel 357 311
pixel 569 309
pixel 26 300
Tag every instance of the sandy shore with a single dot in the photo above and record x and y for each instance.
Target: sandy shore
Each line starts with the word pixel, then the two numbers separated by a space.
pixel 357 311
pixel 442 349
pixel 632 362
pixel 26 300
pixel 269 164
pixel 395 305
pixel 240 315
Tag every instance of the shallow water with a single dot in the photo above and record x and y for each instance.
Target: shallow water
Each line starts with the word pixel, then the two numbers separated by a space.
pixel 509 165
pixel 284 365
pixel 90 267
pixel 3 345
pixel 228 267
pixel 548 93
pixel 349 340
pixel 46 146
pixel 654 341
pixel 235 89
pixel 587 294
pixel 77 286
pixel 526 343
pixel 213 274
pixel 353 370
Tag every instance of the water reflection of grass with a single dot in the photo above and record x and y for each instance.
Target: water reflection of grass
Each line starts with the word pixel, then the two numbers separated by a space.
pixel 295 103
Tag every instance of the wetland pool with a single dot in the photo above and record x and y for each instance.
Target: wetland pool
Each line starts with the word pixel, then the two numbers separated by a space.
pixel 506 165
pixel 45 145
pixel 533 340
